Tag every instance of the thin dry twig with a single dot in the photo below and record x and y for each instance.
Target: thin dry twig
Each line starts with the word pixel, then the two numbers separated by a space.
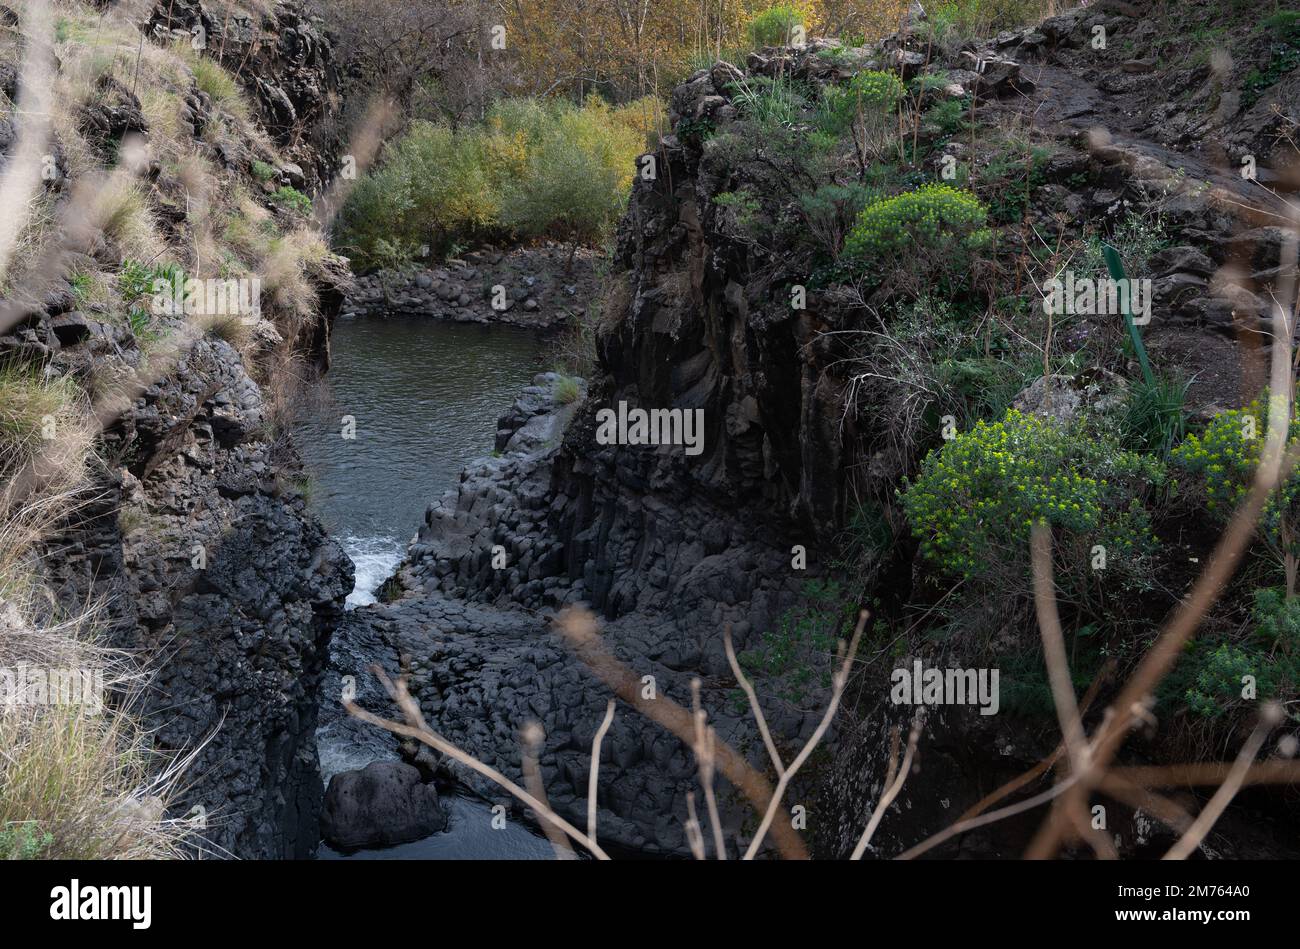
pixel 1214 809
pixel 530 751
pixel 595 768
pixel 888 797
pixel 416 727
pixel 840 680
pixel 579 629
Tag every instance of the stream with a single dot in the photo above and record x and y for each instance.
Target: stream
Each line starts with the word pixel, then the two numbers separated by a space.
pixel 425 396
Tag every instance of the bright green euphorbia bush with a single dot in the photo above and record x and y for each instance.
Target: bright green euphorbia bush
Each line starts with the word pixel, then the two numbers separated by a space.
pixel 976 500
pixel 1227 453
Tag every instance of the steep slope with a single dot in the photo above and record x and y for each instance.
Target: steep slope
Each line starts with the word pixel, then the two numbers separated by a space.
pixel 192 529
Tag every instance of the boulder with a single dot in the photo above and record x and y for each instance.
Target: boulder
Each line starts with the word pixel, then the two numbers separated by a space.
pixel 383 804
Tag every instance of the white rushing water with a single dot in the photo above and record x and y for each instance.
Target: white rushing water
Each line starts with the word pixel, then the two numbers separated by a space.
pixel 375 559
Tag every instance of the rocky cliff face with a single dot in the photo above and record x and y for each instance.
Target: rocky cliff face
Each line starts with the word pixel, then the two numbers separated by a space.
pixel 193 529
pixel 287 61
pixel 227 588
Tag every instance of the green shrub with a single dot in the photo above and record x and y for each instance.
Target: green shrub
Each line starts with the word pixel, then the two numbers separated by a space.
pixel 1277 620
pixel 976 499
pixel 1212 682
pixel 263 171
pixel 1217 678
pixel 576 177
pixel 136 285
pixel 948 116
pixel 1226 454
pixel 532 167
pixel 775 26
pixel 1285 25
pixel 926 235
pixel 292 199
pixel 23 842
pixel 804 635
pixel 873 90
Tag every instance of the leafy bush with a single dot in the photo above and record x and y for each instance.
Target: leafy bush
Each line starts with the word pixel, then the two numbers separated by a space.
pixel 977 498
pixel 1227 452
pixel 23 842
pixel 293 199
pixel 1225 455
pixel 136 284
pixel 576 177
pixel 1271 656
pixel 804 635
pixel 1217 679
pixel 869 91
pixel 829 213
pixel 775 26
pixel 1277 620
pixel 532 167
pixel 948 116
pixel 928 217
pixel 263 171
pixel 1285 25
pixel 938 226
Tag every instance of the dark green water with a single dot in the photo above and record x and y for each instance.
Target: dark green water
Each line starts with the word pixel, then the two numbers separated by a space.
pixel 426 397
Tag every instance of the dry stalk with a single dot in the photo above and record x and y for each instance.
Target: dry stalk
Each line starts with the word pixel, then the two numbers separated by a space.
pixel 416 727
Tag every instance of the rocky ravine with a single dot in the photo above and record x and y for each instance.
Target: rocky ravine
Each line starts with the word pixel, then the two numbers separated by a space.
pixel 669 549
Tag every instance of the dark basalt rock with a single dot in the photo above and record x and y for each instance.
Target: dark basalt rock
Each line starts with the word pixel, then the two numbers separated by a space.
pixel 383 804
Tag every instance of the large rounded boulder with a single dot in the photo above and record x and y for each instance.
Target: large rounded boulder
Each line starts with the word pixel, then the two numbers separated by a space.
pixel 383 804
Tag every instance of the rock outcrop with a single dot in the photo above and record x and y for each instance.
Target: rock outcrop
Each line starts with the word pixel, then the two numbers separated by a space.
pixel 535 287
pixel 193 529
pixel 383 804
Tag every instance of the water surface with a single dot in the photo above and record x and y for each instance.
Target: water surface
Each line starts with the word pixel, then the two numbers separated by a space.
pixel 425 396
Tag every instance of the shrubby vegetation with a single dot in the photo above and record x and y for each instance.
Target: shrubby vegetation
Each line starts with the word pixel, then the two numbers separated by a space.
pixel 976 499
pixel 1225 456
pixel 937 227
pixel 531 169
pixel 776 26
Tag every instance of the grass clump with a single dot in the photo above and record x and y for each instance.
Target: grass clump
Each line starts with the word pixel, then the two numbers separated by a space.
pixel 567 390
pixel 220 86
pixel 292 199
pixel 41 423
